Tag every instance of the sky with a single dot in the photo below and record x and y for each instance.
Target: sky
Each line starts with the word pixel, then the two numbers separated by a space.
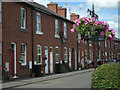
pixel 107 10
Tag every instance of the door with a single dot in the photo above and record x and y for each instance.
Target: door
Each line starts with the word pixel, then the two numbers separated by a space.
pixel 46 61
pixel 13 64
pixel 51 60
pixel 75 60
pixel 69 57
pixel 82 61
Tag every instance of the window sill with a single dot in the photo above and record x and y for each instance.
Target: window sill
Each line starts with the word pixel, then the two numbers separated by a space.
pixel 24 30
pixel 57 36
pixel 39 63
pixel 39 33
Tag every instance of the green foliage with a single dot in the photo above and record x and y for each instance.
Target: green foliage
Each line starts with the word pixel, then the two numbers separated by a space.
pixel 106 76
pixel 69 69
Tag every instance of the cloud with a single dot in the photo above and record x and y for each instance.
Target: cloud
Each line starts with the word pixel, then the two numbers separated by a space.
pixel 103 3
pixel 43 2
pixel 114 25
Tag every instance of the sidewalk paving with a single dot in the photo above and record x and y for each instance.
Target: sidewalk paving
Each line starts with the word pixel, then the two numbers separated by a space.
pixel 40 79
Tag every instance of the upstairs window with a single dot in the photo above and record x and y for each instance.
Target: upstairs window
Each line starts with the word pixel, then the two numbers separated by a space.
pixel 38 23
pixel 56 29
pixel 23 18
pixel 78 38
pixel 65 30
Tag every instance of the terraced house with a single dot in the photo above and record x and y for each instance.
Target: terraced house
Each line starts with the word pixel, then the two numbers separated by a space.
pixel 35 35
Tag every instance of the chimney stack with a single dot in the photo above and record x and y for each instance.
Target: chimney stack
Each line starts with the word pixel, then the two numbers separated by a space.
pixel 53 6
pixel 62 11
pixel 74 16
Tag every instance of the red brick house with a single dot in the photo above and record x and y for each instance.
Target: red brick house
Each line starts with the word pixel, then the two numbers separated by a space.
pixel 32 32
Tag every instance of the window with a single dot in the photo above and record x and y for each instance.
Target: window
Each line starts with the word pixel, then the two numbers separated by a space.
pixel 23 18
pixel 65 54
pixel 109 44
pixel 0 12
pixel 90 54
pixel 38 23
pixel 85 55
pixel 90 44
pixel 99 55
pixel 86 43
pixel 56 55
pixel 39 54
pixel 23 53
pixel 65 30
pixel 56 29
pixel 78 38
pixel 105 43
pixel 99 43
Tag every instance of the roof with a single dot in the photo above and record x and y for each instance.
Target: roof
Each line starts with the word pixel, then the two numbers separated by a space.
pixel 116 39
pixel 46 10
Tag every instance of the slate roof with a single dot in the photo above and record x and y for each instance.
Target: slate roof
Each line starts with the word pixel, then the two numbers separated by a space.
pixel 44 9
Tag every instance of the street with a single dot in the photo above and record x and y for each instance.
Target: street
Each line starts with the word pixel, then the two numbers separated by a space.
pixel 76 81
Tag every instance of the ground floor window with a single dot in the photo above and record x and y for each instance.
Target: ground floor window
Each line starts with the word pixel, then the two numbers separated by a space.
pixel 65 54
pixel 23 53
pixel 39 54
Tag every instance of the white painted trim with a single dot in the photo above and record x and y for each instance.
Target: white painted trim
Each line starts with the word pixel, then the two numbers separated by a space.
pixel 15 71
pixel 25 18
pixel 39 33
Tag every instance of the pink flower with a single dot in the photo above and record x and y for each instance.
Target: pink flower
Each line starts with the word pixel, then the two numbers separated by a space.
pixel 86 23
pixel 93 18
pixel 109 29
pixel 96 23
pixel 113 32
pixel 73 25
pixel 110 36
pixel 72 30
pixel 102 33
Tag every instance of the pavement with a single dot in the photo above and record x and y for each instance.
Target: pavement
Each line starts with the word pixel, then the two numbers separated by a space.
pixel 18 83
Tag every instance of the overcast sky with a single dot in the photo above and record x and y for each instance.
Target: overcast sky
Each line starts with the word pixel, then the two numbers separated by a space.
pixel 107 10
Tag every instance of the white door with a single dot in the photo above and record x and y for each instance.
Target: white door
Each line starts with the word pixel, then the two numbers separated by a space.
pixel 82 61
pixel 75 60
pixel 69 57
pixel 51 60
pixel 46 61
pixel 13 45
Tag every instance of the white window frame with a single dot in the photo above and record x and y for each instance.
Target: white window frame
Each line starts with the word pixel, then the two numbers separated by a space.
pixel 109 44
pixel 65 54
pixel 99 43
pixel 38 22
pixel 57 54
pixel 56 28
pixel 65 30
pixel 39 54
pixel 24 26
pixel 78 38
pixel 90 54
pixel 99 54
pixel 0 11
pixel 85 55
pixel 25 53
pixel 90 44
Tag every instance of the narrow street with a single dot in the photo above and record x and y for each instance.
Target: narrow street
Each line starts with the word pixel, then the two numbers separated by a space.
pixel 76 81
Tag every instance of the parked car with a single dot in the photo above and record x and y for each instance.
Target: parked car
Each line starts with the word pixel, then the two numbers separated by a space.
pixel 118 61
pixel 111 61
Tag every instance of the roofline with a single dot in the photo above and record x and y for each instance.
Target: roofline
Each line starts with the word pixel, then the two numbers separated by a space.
pixel 44 11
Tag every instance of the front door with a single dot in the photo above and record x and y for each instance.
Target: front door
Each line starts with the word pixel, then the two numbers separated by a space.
pixel 13 64
pixel 75 60
pixel 69 57
pixel 51 60
pixel 46 61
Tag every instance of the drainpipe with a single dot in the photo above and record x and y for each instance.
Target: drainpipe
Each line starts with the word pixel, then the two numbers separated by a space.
pixel 32 40
pixel 62 43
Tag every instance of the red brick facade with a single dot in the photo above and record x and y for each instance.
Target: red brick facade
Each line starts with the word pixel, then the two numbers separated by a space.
pixel 12 32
